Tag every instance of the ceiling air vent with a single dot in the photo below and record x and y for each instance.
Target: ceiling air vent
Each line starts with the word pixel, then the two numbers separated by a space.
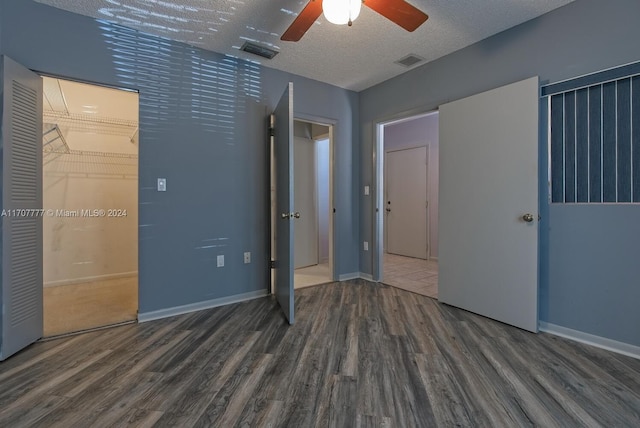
pixel 256 49
pixel 409 60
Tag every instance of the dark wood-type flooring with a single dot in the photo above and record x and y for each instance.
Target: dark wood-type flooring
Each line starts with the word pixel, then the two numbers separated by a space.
pixel 359 355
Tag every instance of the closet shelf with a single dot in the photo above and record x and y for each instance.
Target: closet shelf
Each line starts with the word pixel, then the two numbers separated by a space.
pixel 92 123
pixel 93 164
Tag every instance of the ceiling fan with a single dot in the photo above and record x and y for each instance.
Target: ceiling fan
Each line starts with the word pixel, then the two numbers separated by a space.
pixel 397 11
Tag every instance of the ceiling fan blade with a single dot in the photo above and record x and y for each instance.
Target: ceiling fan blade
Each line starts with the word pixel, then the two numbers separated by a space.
pixel 303 21
pixel 400 12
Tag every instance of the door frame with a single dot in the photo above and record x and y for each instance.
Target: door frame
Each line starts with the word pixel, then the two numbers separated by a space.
pixel 378 191
pixel 120 88
pixel 331 124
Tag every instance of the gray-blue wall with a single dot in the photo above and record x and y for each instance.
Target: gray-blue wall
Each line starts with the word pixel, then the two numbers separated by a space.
pixel 202 127
pixel 589 279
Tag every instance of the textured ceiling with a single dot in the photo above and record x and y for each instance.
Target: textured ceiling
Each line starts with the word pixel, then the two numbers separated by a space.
pixel 354 57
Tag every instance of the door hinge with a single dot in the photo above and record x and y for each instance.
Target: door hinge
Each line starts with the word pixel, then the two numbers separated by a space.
pixel 272 132
pixel 272 264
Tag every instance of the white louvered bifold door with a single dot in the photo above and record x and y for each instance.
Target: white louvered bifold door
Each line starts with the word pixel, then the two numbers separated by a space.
pixel 21 144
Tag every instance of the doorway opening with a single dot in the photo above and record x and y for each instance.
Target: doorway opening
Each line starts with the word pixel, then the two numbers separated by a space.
pixel 406 221
pixel 90 201
pixel 313 178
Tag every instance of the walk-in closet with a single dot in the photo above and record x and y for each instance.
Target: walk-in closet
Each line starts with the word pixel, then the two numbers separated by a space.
pixel 90 201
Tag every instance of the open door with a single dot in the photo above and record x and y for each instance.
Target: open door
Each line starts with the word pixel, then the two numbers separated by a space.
pixel 488 255
pixel 282 125
pixel 21 145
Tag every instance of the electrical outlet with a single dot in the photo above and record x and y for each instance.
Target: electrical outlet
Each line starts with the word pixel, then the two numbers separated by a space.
pixel 366 190
pixel 366 246
pixel 162 184
pixel 247 257
pixel 221 261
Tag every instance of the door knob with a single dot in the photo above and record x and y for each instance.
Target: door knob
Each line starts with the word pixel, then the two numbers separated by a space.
pixel 527 217
pixel 285 216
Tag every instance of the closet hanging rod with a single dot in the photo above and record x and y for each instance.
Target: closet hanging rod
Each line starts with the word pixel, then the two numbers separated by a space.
pixel 79 117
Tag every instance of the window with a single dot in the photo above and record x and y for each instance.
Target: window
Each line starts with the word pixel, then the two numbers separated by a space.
pixel 595 137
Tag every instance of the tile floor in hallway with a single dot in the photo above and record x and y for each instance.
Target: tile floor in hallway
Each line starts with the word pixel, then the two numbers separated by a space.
pixel 311 275
pixel 411 274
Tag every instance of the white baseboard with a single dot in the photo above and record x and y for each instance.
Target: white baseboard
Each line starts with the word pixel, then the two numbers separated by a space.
pixel 95 278
pixel 590 339
pixel 348 276
pixel 199 306
pixel 355 275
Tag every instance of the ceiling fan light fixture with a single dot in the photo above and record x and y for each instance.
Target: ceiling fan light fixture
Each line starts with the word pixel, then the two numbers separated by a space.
pixel 341 12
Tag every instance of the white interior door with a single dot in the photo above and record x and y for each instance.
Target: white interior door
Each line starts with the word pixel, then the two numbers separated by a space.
pixel 488 248
pixel 21 143
pixel 406 202
pixel 282 121
pixel 305 227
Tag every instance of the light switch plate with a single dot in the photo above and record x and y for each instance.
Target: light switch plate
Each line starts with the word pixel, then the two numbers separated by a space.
pixel 221 261
pixel 366 246
pixel 162 184
pixel 247 257
pixel 366 190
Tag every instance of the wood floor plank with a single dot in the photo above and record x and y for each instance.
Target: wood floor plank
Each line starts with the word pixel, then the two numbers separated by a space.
pixel 360 355
pixel 525 395
pixel 27 376
pixel 261 413
pixel 365 421
pixel 547 389
pixel 205 360
pixel 36 415
pixel 411 393
pixel 139 418
pixel 349 358
pixel 117 408
pixel 342 411
pixel 243 392
pixel 32 356
pixel 561 365
pixel 471 377
pixel 119 376
pixel 392 313
pixel 449 408
pixel 186 406
pixel 126 354
pixel 43 388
